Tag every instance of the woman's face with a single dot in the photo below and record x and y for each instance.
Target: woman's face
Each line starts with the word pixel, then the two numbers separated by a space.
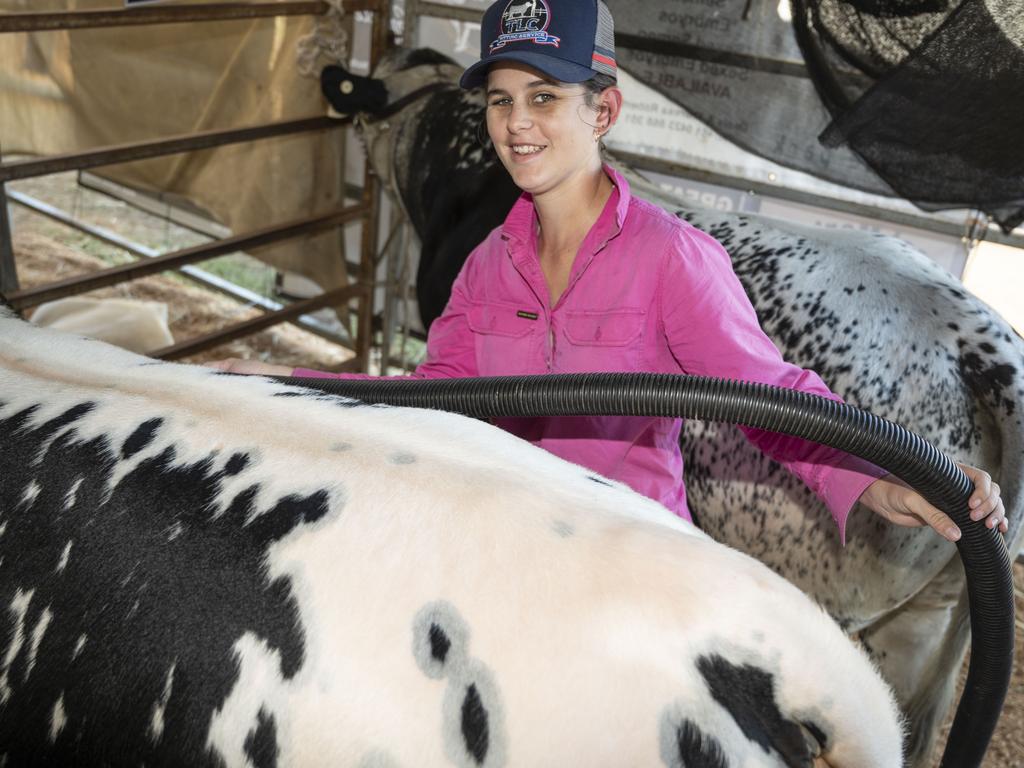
pixel 539 127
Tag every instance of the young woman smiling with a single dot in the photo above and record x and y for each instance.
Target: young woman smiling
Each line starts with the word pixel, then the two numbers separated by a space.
pixel 584 277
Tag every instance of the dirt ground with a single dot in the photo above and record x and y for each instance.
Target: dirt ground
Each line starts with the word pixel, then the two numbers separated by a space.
pixel 194 310
pixel 1007 747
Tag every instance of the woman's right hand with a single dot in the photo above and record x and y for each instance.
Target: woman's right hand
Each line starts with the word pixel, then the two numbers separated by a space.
pixel 237 365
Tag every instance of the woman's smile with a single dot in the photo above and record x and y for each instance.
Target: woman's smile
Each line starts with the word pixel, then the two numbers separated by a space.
pixel 524 153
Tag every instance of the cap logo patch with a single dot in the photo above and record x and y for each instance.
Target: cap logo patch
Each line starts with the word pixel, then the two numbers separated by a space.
pixel 524 20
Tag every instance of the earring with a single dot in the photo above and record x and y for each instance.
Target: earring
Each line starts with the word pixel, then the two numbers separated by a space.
pixel 597 136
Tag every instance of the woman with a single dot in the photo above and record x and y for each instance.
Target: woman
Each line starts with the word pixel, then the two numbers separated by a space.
pixel 582 276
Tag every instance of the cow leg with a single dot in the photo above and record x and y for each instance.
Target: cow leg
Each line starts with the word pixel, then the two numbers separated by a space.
pixel 919 649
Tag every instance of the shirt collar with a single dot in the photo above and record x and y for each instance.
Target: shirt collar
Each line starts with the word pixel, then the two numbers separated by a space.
pixel 520 224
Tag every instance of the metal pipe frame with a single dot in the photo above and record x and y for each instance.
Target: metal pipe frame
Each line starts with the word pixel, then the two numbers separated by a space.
pixel 31 297
pixel 937 226
pixel 410 23
pixel 442 11
pixel 371 200
pixel 154 203
pixel 8 269
pixel 198 276
pixel 247 327
pixel 143 150
pixel 180 14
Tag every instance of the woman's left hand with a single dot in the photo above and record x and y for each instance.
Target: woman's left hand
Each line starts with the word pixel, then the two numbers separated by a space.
pixel 898 503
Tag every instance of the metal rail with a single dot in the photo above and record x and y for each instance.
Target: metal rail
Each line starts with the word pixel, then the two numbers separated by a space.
pixel 199 276
pixel 379 36
pixel 176 14
pixel 938 226
pixel 31 297
pixel 247 327
pixel 8 269
pixel 169 208
pixel 442 11
pixel 143 150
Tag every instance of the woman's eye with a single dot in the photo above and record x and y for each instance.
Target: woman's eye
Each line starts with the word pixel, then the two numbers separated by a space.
pixel 543 98
pixel 502 102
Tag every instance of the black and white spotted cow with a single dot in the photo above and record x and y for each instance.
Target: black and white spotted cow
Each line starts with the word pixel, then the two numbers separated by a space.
pixel 198 569
pixel 885 327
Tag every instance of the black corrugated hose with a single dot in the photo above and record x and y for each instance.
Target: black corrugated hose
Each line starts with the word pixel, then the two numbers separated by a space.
pixel 883 443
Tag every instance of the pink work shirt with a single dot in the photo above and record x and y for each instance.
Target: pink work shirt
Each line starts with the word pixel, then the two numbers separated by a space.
pixel 647 292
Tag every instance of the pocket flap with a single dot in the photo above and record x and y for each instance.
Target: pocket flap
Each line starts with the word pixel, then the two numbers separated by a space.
pixel 500 319
pixel 608 329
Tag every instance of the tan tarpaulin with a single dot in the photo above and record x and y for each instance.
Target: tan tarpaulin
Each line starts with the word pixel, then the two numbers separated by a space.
pixel 65 91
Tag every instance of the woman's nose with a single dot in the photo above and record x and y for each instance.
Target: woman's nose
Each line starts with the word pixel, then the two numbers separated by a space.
pixel 519 117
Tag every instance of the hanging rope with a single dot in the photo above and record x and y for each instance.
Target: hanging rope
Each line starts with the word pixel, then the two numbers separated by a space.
pixel 328 41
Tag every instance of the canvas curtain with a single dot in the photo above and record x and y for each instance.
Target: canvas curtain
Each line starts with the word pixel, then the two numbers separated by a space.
pixel 66 91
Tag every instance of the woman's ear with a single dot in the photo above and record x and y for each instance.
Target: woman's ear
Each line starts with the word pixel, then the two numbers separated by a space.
pixel 609 107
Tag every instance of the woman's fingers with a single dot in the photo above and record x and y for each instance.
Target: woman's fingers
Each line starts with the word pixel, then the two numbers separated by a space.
pixel 900 504
pixel 937 519
pixel 986 502
pixel 221 365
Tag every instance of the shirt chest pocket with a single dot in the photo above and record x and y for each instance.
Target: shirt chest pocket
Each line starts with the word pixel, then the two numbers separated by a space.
pixel 503 337
pixel 601 340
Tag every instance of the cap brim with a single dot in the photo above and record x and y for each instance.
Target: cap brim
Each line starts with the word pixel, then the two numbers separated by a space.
pixel 558 69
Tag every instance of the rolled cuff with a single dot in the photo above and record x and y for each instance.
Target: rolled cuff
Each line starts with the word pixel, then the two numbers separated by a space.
pixel 842 484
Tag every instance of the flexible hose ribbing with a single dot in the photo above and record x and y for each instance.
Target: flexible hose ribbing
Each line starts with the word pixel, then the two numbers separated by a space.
pixel 886 444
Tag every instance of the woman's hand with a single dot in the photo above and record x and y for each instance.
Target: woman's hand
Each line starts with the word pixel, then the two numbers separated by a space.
pixel 898 503
pixel 235 365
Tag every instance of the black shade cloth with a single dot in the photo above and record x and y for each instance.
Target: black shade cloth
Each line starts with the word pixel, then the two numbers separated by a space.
pixel 945 125
pixel 894 96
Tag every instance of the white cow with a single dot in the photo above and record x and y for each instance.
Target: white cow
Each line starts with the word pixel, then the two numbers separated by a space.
pixel 201 569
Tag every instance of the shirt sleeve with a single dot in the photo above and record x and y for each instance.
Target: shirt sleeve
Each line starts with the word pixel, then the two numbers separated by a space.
pixel 451 349
pixel 712 330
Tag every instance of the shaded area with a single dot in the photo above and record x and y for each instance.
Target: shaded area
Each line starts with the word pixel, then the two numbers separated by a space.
pixel 919 98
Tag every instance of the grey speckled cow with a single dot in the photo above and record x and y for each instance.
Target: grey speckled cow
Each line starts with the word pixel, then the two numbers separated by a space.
pixel 886 328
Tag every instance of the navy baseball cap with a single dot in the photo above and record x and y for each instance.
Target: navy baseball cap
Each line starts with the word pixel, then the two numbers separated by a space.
pixel 568 40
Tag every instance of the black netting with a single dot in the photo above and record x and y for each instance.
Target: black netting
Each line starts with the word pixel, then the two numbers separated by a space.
pixel 921 98
pixel 944 124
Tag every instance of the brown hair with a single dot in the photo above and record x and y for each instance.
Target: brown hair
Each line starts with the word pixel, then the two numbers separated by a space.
pixel 593 88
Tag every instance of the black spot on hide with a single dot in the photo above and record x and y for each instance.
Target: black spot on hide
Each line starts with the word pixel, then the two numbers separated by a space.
pixel 236 464
pixel 474 725
pixel 144 601
pixel 439 643
pixel 697 749
pixel 990 380
pixel 140 438
pixel 748 694
pixel 261 743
